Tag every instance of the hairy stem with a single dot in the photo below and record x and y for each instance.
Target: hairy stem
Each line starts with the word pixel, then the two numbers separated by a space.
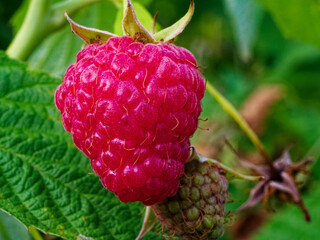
pixel 230 109
pixel 233 172
pixel 196 156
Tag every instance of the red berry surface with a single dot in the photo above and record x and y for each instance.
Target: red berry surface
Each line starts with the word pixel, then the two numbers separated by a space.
pixel 131 108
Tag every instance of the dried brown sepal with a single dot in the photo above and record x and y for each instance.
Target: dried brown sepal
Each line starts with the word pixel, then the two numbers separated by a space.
pixel 279 181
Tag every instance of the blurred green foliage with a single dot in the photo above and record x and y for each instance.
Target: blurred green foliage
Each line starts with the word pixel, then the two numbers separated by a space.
pixel 241 47
pixel 7 9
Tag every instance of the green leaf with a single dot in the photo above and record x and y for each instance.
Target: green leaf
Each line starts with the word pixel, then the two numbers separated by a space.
pixel 293 55
pixel 43 177
pixel 245 16
pixel 297 19
pixel 289 223
pixel 174 30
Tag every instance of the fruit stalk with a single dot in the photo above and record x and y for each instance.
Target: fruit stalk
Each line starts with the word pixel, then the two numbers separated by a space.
pixel 230 109
pixel 196 156
pixel 233 172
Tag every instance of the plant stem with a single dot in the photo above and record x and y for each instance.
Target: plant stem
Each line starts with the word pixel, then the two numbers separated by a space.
pixel 196 156
pixel 41 19
pixel 31 32
pixel 235 173
pixel 35 233
pixel 230 109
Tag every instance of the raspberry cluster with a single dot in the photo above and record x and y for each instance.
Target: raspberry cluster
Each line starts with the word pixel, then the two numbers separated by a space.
pixel 131 108
pixel 196 211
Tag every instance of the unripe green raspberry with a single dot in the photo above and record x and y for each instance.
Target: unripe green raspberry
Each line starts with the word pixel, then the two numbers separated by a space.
pixel 197 210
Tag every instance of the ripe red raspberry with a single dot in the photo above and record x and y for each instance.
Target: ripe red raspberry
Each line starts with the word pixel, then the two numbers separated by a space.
pixel 197 210
pixel 131 109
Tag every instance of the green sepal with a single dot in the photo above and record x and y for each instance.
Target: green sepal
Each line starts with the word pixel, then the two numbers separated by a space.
pixel 148 222
pixel 89 35
pixel 231 172
pixel 169 33
pixel 132 27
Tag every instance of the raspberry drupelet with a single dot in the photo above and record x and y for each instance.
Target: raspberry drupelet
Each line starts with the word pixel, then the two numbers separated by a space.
pixel 197 210
pixel 131 108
